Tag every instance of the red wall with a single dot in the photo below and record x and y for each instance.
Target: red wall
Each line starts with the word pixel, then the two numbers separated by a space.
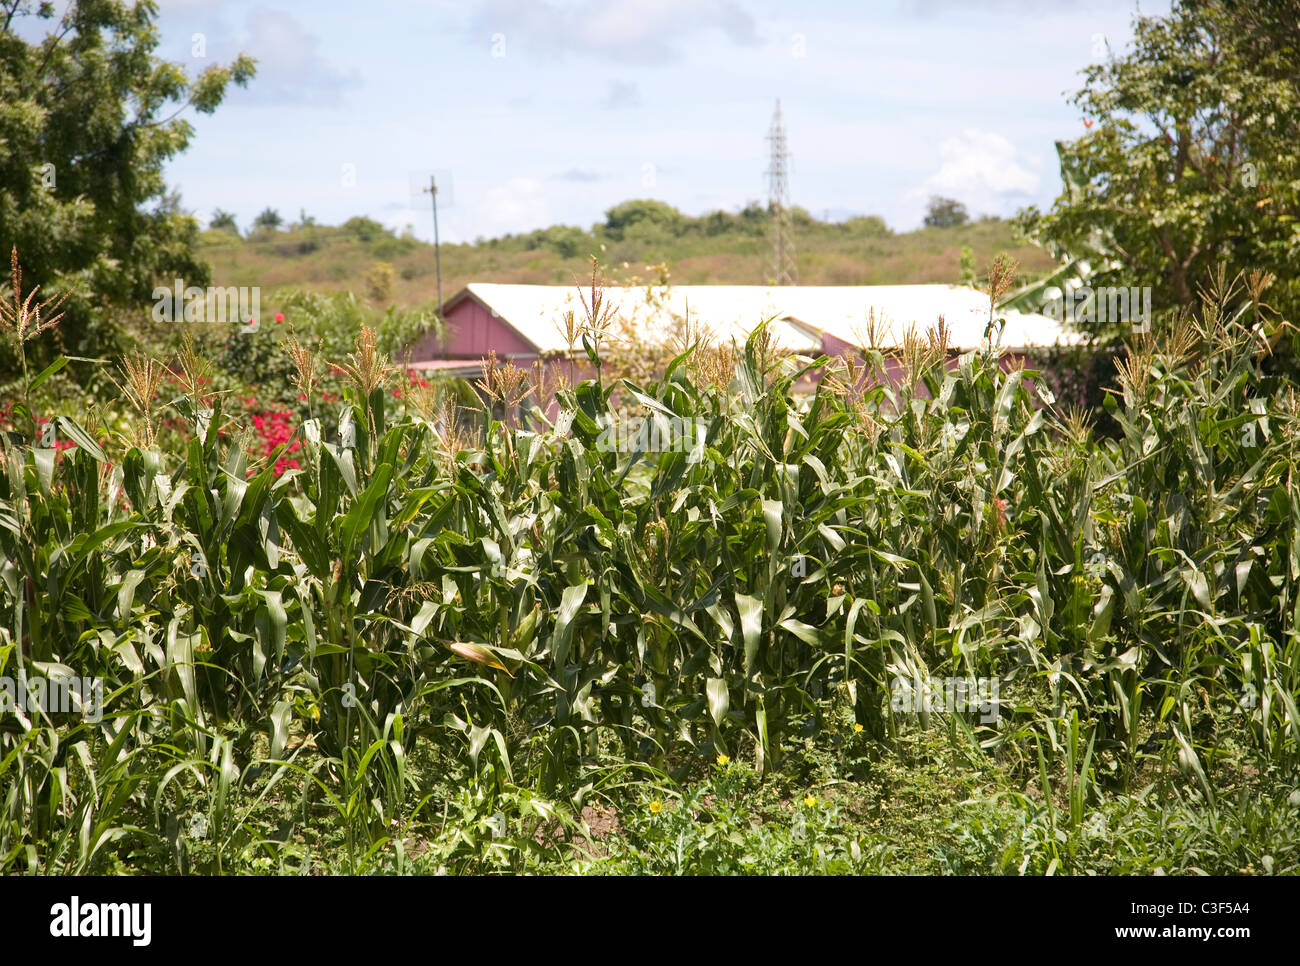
pixel 471 331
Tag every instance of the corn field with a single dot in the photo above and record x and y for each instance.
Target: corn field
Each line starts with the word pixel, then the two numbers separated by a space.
pixel 446 638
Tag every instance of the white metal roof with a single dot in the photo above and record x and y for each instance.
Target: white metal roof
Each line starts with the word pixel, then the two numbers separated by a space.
pixel 801 312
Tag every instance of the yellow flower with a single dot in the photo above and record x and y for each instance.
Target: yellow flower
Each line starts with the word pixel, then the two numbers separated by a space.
pixel 857 728
pixel 724 760
pixel 656 807
pixel 810 802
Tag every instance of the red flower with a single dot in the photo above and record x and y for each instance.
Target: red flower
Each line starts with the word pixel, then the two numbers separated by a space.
pixel 279 316
pixel 1087 123
pixel 274 431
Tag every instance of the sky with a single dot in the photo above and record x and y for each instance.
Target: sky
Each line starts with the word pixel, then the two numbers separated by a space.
pixel 539 112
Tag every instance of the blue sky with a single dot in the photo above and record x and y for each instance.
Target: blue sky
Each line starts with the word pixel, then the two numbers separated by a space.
pixel 537 112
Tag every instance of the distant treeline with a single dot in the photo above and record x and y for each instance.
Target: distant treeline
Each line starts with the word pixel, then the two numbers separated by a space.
pixel 643 220
pixel 655 222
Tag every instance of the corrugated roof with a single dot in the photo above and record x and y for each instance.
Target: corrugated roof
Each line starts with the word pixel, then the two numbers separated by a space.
pixel 537 312
pixel 455 367
pixel 800 311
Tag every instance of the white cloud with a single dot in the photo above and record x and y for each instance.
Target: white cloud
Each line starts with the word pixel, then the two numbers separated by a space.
pixel 515 206
pixel 982 170
pixel 628 31
pixel 399 218
pixel 290 66
pixel 578 174
pixel 620 95
pixel 930 8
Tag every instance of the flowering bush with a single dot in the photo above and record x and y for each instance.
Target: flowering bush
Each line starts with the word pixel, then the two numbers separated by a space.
pixel 273 431
pixel 417 381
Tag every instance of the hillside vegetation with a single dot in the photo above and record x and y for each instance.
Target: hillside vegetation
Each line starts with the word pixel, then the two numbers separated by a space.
pixel 715 249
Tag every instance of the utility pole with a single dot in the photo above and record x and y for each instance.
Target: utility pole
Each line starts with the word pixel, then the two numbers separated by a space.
pixel 784 269
pixel 437 251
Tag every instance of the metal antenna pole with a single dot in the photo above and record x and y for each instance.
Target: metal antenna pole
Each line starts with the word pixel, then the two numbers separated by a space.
pixel 437 249
pixel 432 191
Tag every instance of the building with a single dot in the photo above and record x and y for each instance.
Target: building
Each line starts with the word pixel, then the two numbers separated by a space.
pixel 523 323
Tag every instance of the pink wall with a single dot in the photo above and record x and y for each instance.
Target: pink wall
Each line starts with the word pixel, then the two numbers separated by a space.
pixel 471 331
pixel 832 346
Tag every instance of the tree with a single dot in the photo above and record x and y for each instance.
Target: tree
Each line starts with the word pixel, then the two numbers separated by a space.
pixel 754 218
pixel 90 116
pixel 269 219
pixel 223 220
pixel 865 226
pixel 800 218
pixel 567 241
pixel 967 262
pixel 644 213
pixel 379 282
pixel 945 213
pixel 1189 162
pixel 364 229
pixel 716 223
